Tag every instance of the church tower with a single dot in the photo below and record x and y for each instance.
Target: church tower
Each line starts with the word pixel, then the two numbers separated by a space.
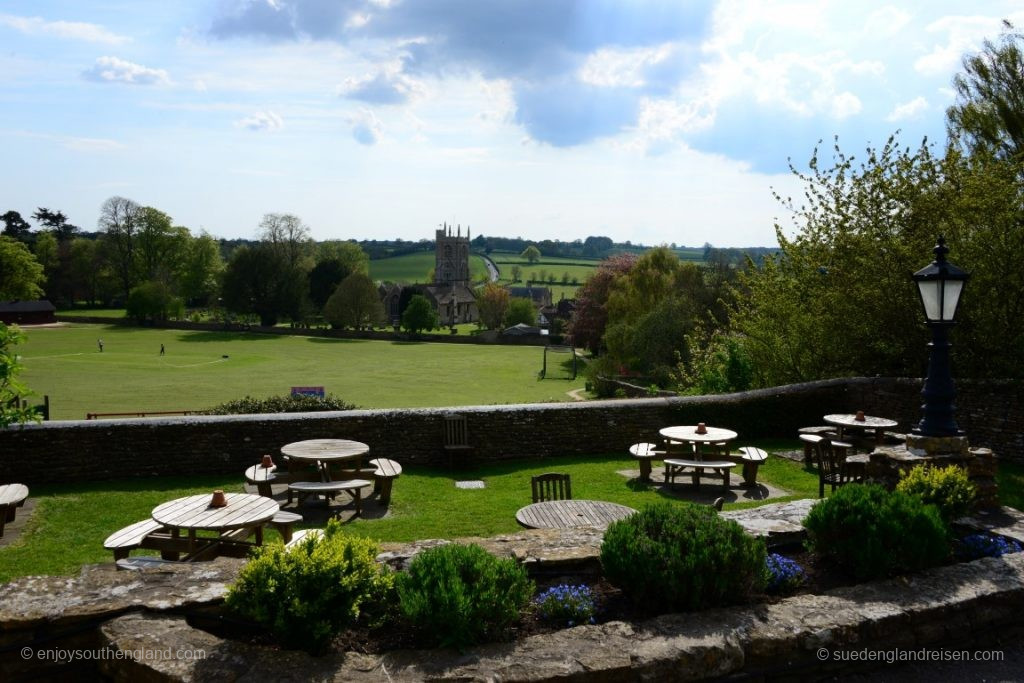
pixel 451 257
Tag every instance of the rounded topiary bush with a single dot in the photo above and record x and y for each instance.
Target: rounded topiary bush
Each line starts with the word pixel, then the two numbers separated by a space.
pixel 871 532
pixel 458 595
pixel 308 593
pixel 682 557
pixel 948 488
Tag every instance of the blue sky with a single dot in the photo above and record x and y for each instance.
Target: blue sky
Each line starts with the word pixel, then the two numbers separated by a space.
pixel 656 122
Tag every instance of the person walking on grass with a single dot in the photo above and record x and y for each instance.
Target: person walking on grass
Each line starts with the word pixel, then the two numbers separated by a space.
pixel 99 343
pixel 161 349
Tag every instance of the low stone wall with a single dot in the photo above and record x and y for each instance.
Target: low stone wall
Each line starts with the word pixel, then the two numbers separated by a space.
pixel 71 451
pixel 117 613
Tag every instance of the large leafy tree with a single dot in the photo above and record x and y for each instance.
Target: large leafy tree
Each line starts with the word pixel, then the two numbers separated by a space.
pixel 15 226
pixel 335 261
pixel 57 222
pixel 988 114
pixel 200 269
pixel 21 275
pixel 258 280
pixel 591 316
pixel 121 221
pixel 531 254
pixel 418 315
pixel 520 311
pixel 492 303
pixel 355 304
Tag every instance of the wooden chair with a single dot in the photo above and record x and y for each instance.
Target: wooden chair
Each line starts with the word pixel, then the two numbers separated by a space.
pixel 831 465
pixel 456 438
pixel 551 486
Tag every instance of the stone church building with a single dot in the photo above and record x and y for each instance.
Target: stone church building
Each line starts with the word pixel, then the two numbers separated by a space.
pixel 450 293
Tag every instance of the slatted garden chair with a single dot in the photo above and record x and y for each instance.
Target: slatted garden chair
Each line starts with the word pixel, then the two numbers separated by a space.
pixel 831 465
pixel 456 438
pixel 551 486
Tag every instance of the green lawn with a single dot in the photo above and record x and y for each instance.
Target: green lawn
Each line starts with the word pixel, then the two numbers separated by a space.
pixel 202 369
pixel 71 521
pixel 412 268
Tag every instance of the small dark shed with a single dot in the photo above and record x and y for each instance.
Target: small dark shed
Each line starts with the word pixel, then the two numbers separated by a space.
pixel 27 312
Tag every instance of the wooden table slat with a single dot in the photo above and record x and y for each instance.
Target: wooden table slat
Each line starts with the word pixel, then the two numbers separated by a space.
pixel 562 514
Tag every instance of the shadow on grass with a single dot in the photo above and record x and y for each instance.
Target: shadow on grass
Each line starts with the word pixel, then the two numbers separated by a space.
pixel 223 337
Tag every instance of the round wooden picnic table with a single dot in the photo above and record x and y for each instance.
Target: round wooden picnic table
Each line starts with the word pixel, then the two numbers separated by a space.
pixel 688 434
pixel 193 513
pixel 849 420
pixel 565 514
pixel 324 452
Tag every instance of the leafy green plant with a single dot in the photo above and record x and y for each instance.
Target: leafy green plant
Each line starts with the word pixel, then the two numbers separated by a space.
pixel 459 595
pixel 12 391
pixel 308 593
pixel 948 488
pixel 680 557
pixel 279 404
pixel 873 533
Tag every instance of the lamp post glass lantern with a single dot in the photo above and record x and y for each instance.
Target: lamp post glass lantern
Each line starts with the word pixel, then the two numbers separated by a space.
pixel 940 284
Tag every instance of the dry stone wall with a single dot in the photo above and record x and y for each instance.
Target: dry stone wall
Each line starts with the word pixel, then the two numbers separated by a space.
pixel 72 451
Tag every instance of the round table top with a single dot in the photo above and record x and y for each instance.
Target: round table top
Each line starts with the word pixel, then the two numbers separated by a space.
pixel 195 512
pixel 325 449
pixel 850 420
pixel 564 514
pixel 689 433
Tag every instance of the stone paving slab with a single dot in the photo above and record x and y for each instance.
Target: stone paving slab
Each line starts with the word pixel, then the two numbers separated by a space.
pixel 1005 521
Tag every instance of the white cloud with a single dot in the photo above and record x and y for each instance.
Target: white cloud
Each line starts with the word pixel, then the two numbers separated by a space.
pixel 386 87
pixel 886 21
pixel 845 104
pixel 366 128
pixel 908 110
pixel 33 26
pixel 962 35
pixel 261 120
pixel 614 67
pixel 116 70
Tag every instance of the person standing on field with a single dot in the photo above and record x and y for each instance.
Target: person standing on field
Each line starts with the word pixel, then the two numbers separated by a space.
pixel 99 343
pixel 161 349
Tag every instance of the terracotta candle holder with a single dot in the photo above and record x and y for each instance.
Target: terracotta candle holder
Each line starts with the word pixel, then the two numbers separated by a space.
pixel 859 417
pixel 268 461
pixel 218 500
pixel 702 428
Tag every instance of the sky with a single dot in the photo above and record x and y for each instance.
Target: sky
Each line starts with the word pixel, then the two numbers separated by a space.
pixel 660 122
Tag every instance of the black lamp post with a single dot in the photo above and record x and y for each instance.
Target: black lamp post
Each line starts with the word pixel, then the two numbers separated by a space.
pixel 940 284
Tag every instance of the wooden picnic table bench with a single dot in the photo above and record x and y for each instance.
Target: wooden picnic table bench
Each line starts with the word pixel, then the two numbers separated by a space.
pixel 677 467
pixel 12 497
pixel 383 476
pixel 353 487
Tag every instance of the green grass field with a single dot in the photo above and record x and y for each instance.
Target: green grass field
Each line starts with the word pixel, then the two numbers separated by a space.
pixel 202 369
pixel 413 268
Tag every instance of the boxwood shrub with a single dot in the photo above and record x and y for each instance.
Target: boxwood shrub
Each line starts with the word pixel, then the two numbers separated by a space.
pixel 871 532
pixel 308 593
pixel 458 595
pixel 671 557
pixel 948 488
